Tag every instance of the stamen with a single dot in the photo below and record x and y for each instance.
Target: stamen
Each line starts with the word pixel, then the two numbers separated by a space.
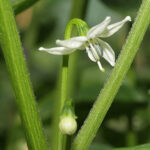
pixel 94 52
pixel 98 45
pixel 100 66
pixel 90 55
pixel 99 50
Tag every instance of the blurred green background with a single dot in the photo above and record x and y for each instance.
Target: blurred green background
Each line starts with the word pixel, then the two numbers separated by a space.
pixel 127 123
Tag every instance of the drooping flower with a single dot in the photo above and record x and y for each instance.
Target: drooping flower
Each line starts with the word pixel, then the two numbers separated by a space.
pixel 95 47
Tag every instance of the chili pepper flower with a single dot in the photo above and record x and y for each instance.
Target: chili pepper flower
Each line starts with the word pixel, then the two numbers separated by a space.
pixel 91 42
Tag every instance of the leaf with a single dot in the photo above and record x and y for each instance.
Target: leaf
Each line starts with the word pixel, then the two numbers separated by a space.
pixel 127 7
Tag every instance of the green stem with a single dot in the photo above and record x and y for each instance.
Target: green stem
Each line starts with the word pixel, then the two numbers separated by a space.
pixel 58 140
pixel 12 50
pixel 105 99
pixel 58 143
pixel 61 139
pixel 21 5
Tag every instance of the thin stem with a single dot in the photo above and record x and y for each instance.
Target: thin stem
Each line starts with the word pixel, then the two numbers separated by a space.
pixel 64 79
pixel 58 143
pixel 21 5
pixel 12 50
pixel 105 99
pixel 58 140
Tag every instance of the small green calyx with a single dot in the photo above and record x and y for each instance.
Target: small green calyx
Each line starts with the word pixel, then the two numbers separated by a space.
pixel 68 110
pixel 82 27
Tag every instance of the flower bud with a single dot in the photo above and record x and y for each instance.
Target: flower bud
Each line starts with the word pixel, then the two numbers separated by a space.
pixel 68 125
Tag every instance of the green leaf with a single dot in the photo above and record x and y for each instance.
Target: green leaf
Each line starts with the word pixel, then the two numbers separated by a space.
pixel 125 7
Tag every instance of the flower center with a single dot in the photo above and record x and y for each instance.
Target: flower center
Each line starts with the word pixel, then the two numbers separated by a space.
pixel 95 49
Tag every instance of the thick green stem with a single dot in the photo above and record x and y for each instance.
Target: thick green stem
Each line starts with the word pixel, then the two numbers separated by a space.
pixel 12 50
pixel 105 99
pixel 21 5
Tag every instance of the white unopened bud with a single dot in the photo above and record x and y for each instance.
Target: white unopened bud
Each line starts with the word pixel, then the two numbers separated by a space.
pixel 68 125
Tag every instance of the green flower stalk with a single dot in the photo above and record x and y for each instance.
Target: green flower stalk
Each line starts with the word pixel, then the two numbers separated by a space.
pixel 59 138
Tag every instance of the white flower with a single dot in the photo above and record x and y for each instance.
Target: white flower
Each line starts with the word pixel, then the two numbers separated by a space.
pixel 95 47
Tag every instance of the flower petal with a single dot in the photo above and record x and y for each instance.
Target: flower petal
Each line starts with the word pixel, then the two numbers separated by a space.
pixel 73 43
pixel 57 50
pixel 113 28
pixel 98 29
pixel 90 55
pixel 108 52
